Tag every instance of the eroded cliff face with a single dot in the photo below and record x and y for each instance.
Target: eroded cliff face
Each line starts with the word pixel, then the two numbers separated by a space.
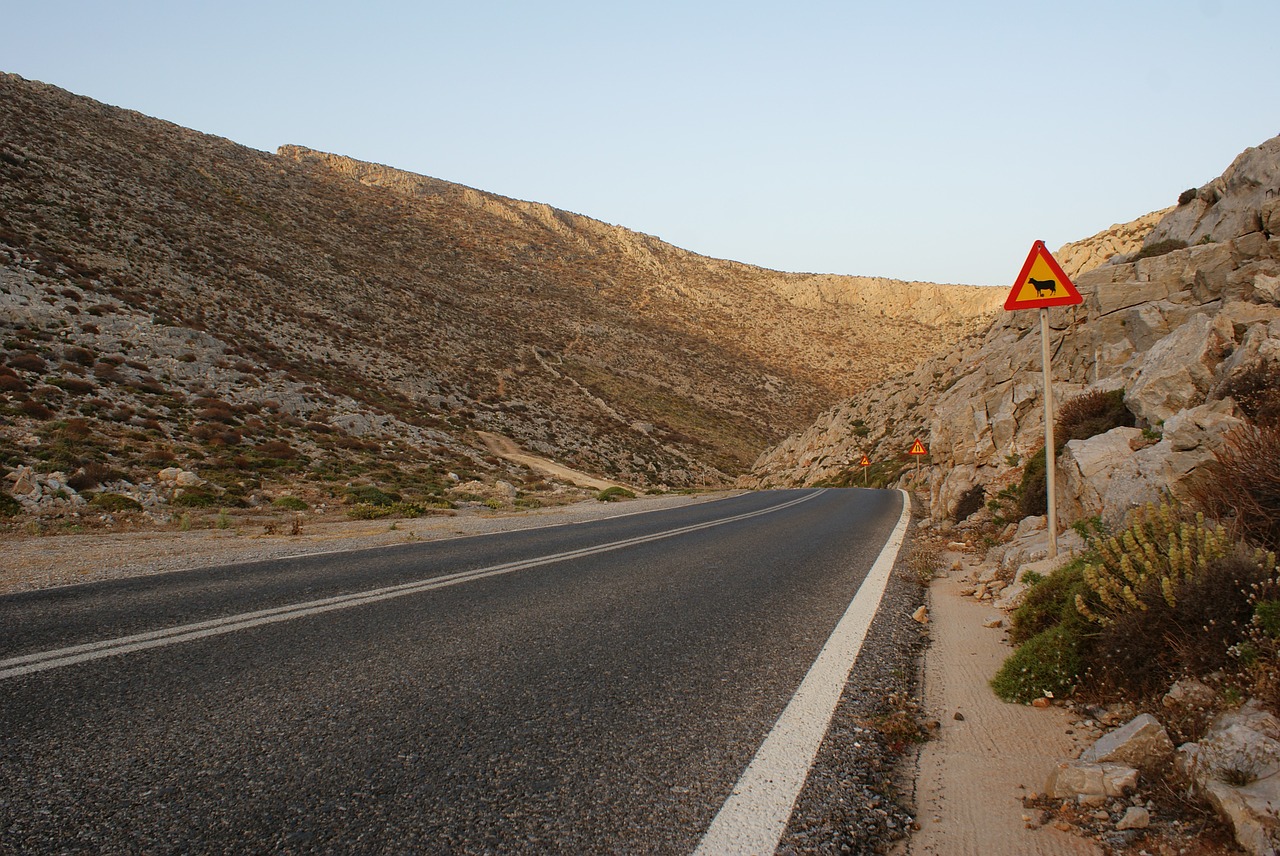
pixel 1172 331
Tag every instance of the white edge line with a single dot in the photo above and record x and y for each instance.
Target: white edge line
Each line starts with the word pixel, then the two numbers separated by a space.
pixel 754 817
pixel 43 660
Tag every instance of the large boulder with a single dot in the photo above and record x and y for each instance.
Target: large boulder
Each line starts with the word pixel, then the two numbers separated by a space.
pixel 1086 467
pixel 1141 742
pixel 1178 371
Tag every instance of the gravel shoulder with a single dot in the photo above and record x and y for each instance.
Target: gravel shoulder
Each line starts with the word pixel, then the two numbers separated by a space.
pixel 37 562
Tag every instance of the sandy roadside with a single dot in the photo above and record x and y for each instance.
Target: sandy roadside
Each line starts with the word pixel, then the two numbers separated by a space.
pixel 988 754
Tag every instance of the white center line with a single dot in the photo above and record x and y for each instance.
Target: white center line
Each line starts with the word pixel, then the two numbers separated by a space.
pixel 53 659
pixel 754 817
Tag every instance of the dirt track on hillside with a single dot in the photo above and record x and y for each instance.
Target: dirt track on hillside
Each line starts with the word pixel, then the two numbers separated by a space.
pixel 503 447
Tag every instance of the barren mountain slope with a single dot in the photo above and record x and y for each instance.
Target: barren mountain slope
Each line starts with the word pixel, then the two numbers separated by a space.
pixel 194 300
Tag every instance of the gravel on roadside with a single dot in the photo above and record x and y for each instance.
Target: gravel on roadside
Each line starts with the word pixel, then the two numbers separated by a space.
pixel 38 562
pixel 855 798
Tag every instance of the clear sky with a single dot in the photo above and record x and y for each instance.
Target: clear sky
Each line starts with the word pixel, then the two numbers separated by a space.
pixel 902 138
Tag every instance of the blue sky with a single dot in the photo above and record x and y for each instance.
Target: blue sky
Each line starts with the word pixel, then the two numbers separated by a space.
pixel 910 139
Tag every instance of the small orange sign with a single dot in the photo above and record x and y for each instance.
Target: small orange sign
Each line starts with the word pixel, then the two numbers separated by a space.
pixel 917 448
pixel 1041 283
pixel 866 462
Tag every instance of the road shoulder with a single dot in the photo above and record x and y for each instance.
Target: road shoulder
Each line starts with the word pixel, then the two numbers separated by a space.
pixel 987 754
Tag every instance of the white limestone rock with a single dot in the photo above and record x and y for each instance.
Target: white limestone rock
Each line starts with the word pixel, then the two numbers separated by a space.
pixel 1080 778
pixel 1141 742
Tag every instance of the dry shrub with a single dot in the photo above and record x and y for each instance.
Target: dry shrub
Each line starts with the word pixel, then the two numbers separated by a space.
pixel 93 474
pixel 216 414
pixel 1257 392
pixel 1242 484
pixel 35 410
pixel 80 356
pixel 1092 413
pixel 28 362
pixel 1145 650
pixel 924 562
pixel 12 383
pixel 278 449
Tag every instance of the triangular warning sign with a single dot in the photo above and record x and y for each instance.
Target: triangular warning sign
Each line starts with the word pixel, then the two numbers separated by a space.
pixel 866 462
pixel 1041 283
pixel 917 448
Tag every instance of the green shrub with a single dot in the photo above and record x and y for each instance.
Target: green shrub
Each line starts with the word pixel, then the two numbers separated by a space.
pixel 290 503
pixel 115 502
pixel 1192 633
pixel 1149 560
pixel 1033 491
pixel 1049 602
pixel 197 497
pixel 9 507
pixel 1049 663
pixel 1266 614
pixel 615 493
pixel 368 494
pixel 367 511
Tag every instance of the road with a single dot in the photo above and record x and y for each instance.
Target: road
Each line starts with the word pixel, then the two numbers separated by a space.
pixel 590 688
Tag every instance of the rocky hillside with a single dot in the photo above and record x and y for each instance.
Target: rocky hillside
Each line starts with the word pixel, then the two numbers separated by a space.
pixel 172 300
pixel 1122 239
pixel 1181 325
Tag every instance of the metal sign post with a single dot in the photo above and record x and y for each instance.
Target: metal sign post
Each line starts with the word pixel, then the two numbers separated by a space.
pixel 1050 465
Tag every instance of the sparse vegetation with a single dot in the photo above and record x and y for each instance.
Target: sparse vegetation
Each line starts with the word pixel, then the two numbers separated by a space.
pixel 1159 248
pixel 115 502
pixel 924 561
pixel 969 502
pixel 615 493
pixel 1168 597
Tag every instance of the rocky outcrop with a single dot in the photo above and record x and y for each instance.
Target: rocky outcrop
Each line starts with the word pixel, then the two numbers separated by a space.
pixel 1172 331
pixel 1095 251
pixel 1241 201
pixel 1237 766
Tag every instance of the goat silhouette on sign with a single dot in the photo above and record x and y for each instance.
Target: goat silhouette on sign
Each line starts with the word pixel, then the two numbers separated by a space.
pixel 1043 285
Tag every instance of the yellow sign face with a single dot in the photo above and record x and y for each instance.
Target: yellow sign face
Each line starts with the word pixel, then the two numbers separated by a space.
pixel 866 462
pixel 1042 283
pixel 917 448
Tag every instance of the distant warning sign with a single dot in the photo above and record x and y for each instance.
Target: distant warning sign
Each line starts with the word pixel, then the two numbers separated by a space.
pixel 866 462
pixel 1041 283
pixel 917 448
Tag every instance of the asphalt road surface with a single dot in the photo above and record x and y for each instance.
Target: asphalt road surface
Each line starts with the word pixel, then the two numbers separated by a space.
pixel 594 688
